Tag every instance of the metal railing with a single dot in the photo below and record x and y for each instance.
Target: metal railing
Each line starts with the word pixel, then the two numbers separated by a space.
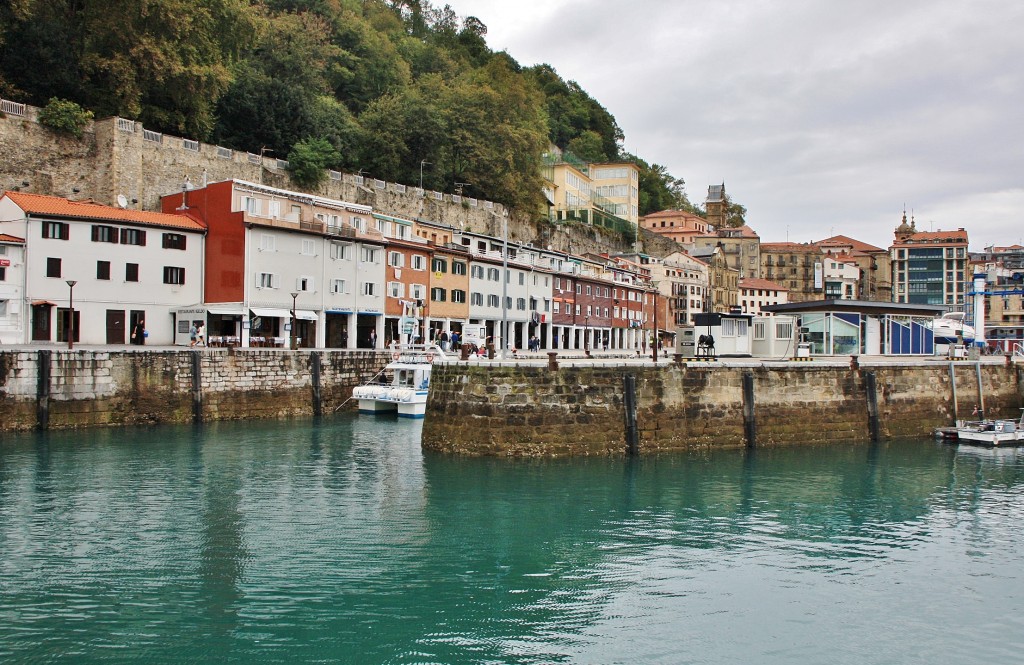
pixel 12 108
pixel 150 135
pixel 125 125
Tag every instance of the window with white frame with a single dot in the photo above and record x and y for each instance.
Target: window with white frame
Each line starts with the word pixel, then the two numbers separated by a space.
pixel 267 280
pixel 478 272
pixel 304 283
pixel 418 291
pixel 370 255
pixel 251 205
pixel 521 303
pixel 369 289
pixel 403 232
pixel 359 223
pixel 338 286
pixel 396 289
pixel 759 330
pixel 308 247
pixel 396 259
pixel 556 307
pixel 438 294
pixel 458 295
pixel 268 243
pixel 174 275
pixel 784 330
pixel 493 274
pixel 728 327
pixel 476 299
pixel 341 251
pixel 419 262
pixel 458 268
pixel 493 301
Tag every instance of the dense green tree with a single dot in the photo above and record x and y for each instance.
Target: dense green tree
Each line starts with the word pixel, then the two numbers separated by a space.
pixel 659 190
pixel 588 146
pixel 309 160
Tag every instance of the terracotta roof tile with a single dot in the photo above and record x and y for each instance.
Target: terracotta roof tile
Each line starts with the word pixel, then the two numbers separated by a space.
pixel 38 204
pixel 6 238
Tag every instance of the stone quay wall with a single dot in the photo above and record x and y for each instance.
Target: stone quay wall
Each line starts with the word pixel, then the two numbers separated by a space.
pixel 52 388
pixel 579 410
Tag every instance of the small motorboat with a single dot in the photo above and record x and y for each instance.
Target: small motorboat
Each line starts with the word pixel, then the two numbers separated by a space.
pixel 951 329
pixel 992 432
pixel 402 385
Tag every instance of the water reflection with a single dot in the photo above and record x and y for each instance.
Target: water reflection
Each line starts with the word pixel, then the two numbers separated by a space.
pixel 341 540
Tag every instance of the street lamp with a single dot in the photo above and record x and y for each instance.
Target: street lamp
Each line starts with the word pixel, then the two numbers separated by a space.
pixel 71 313
pixel 422 162
pixel 295 294
pixel 654 345
pixel 504 285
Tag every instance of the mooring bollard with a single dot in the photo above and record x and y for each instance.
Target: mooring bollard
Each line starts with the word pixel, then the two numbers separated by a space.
pixel 552 360
pixel 629 408
pixel 464 352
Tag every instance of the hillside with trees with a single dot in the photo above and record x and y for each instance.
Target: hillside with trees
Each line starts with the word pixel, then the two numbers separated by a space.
pixel 389 88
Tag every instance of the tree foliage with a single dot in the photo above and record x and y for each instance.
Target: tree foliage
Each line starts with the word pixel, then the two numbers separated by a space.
pixel 309 160
pixel 388 85
pixel 64 117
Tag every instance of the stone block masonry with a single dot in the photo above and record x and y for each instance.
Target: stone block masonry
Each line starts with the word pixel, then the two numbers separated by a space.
pixel 84 388
pixel 579 410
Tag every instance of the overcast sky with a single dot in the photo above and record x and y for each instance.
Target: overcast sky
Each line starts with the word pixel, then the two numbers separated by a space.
pixel 820 117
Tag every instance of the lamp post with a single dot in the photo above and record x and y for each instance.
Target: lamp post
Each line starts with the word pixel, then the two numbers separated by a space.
pixel 422 162
pixel 654 345
pixel 295 294
pixel 504 285
pixel 71 313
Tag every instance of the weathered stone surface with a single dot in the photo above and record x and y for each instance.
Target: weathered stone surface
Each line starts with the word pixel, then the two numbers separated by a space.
pixel 90 388
pixel 533 411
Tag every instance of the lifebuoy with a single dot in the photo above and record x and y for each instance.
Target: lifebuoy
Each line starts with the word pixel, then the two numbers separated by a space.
pixel 396 355
pixel 430 357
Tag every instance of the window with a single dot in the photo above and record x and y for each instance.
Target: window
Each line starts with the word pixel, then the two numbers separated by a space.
pixel 579 288
pixel 478 272
pixel 521 303
pixel 493 301
pixel 304 283
pixel 369 289
pixel 360 224
pixel 3 274
pixel 396 289
pixel 174 275
pixel 557 307
pixel 493 274
pixel 522 278
pixel 52 267
pixel 3 308
pixel 417 291
pixel 458 268
pixel 103 270
pixel 438 295
pixel 131 272
pixel 419 262
pixel 396 259
pixel 251 205
pixel 338 286
pixel 104 233
pixel 267 242
pixel 341 251
pixel 369 255
pixel 476 299
pixel 133 237
pixel 759 330
pixel 308 247
pixel 266 280
pixel 55 230
pixel 174 241
pixel 784 330
pixel 458 295
pixel 439 265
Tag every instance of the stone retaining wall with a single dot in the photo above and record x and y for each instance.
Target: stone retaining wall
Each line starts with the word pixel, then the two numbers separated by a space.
pixel 94 388
pixel 532 411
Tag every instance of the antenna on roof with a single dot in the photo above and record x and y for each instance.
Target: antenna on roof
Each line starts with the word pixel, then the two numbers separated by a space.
pixel 122 201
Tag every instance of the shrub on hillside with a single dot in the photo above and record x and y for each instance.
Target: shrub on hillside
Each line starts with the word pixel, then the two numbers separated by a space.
pixel 64 117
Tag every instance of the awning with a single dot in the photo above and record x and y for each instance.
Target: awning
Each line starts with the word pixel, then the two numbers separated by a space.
pixel 305 315
pixel 272 313
pixel 228 310
pixel 339 311
pixel 40 303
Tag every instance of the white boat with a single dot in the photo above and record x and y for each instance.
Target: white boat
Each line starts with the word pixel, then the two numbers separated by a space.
pixel 951 329
pixel 992 432
pixel 402 385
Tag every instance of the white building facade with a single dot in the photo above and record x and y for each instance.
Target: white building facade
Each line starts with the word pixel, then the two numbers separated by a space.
pixel 110 275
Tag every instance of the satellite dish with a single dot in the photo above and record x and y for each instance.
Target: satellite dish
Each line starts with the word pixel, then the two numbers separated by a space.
pixel 122 201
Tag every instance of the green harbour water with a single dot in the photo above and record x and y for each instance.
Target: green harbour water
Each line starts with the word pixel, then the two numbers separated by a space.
pixel 343 542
